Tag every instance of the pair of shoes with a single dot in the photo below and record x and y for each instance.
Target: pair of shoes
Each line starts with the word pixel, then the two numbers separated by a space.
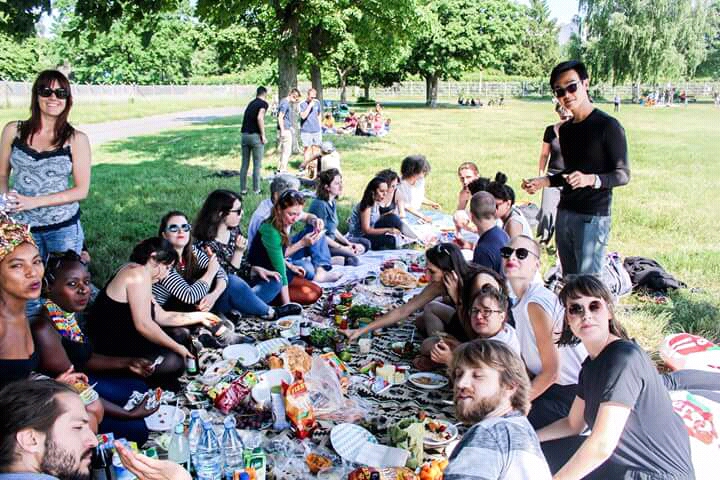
pixel 257 192
pixel 243 192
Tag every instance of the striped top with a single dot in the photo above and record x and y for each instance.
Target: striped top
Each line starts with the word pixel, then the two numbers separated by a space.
pixel 175 285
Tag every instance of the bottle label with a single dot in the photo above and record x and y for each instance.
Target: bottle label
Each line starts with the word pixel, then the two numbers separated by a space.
pixel 191 365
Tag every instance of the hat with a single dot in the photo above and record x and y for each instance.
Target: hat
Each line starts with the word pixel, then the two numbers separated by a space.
pixel 327 147
pixel 12 235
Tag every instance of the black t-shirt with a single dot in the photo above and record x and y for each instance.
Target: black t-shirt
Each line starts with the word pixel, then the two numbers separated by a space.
pixel 250 122
pixel 654 440
pixel 596 145
pixel 555 164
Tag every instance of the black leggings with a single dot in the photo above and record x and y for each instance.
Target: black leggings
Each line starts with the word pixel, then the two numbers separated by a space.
pixel 553 404
pixel 383 241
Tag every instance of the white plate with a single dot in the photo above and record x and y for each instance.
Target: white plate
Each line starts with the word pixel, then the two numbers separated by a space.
pixel 273 345
pixel 245 354
pixel 165 418
pixel 348 439
pixel 438 381
pixel 428 441
pixel 288 322
pixel 272 378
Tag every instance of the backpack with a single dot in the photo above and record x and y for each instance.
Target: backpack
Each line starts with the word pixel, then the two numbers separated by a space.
pixel 647 274
pixel 615 277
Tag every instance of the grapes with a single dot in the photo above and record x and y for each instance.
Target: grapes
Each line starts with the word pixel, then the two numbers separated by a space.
pixel 250 417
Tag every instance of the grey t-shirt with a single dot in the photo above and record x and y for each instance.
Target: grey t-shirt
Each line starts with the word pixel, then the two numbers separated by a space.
pixel 311 124
pixel 499 448
pixel 286 109
pixel 26 476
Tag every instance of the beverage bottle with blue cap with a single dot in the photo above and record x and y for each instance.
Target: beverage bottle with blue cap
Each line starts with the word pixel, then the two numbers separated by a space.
pixel 233 447
pixel 209 455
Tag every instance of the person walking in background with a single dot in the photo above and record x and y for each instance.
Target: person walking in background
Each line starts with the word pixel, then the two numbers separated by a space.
pixel 286 128
pixel 253 139
pixel 616 103
pixel 310 129
pixel 594 149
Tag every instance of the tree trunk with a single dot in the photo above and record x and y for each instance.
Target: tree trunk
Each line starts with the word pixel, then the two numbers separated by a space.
pixel 343 87
pixel 366 91
pixel 316 80
pixel 431 90
pixel 287 53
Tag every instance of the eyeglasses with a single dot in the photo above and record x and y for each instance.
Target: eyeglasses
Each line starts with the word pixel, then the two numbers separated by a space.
pixel 521 253
pixel 60 93
pixel 484 312
pixel 173 228
pixel 577 310
pixel 569 88
pixel 236 210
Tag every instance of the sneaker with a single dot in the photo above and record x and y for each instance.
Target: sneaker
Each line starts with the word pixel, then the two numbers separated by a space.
pixel 257 192
pixel 286 310
pixel 352 261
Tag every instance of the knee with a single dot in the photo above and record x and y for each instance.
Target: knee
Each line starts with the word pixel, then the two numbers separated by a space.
pixel 173 364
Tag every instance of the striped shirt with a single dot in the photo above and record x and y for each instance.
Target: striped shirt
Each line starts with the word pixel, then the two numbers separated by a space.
pixel 499 448
pixel 175 285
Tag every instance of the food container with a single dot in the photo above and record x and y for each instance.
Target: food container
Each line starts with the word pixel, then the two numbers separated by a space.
pixel 346 299
pixel 364 345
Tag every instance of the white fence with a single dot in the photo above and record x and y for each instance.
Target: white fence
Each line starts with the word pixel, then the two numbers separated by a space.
pixel 18 93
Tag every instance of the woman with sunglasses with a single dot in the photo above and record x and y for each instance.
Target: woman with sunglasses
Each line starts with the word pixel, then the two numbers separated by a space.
pixel 620 397
pixel 124 321
pixel 366 223
pixel 324 207
pixel 538 318
pixel 21 273
pixel 551 162
pixel 514 222
pixel 271 248
pixel 42 154
pixel 448 270
pixel 63 345
pixel 251 287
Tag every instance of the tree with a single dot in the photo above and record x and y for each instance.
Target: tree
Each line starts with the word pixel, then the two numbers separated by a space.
pixel 18 17
pixel 711 66
pixel 538 50
pixel 636 41
pixel 460 35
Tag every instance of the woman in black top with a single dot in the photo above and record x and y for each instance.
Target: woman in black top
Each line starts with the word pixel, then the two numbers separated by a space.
pixel 634 432
pixel 551 162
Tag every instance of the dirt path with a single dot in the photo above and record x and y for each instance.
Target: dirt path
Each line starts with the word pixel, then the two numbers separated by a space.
pixel 100 133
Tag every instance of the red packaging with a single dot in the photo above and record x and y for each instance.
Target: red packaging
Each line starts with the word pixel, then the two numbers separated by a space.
pixel 231 397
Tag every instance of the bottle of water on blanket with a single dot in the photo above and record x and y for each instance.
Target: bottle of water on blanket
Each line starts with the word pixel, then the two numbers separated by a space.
pixel 209 455
pixel 195 430
pixel 232 447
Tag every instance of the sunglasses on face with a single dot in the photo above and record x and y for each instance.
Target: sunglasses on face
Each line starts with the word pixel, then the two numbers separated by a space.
pixel 570 88
pixel 577 310
pixel 60 93
pixel 173 228
pixel 292 194
pixel 484 312
pixel 236 210
pixel 521 253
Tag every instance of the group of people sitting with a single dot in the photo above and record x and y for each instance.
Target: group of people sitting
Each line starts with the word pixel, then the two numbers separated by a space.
pixel 370 124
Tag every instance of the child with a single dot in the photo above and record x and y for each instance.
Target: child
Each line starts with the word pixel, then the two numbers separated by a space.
pixel 411 190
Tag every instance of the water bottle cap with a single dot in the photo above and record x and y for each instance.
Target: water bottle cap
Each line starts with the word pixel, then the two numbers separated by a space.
pixel 180 428
pixel 244 476
pixel 229 422
pixel 195 414
pixel 207 425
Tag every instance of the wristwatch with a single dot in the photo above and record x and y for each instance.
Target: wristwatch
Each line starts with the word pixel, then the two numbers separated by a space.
pixel 597 183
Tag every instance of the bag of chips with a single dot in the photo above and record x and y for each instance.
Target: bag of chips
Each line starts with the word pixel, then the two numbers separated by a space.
pixel 231 397
pixel 298 408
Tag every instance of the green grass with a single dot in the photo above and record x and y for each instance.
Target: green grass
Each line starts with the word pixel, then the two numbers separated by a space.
pixel 83 113
pixel 667 212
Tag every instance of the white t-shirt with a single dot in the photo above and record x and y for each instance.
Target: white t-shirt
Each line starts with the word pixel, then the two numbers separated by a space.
pixel 412 195
pixel 517 215
pixel 571 357
pixel 509 337
pixel 262 212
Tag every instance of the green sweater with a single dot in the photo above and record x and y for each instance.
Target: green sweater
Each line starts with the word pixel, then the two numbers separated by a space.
pixel 272 241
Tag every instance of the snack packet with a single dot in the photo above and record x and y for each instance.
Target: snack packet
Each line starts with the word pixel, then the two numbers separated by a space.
pixel 298 408
pixel 231 397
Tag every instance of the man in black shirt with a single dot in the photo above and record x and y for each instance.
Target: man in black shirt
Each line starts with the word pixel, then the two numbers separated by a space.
pixel 594 149
pixel 253 139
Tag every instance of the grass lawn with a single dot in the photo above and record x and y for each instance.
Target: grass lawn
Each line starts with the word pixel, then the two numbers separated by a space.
pixel 83 113
pixel 666 212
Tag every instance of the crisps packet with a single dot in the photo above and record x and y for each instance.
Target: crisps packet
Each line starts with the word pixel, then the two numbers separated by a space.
pixel 298 408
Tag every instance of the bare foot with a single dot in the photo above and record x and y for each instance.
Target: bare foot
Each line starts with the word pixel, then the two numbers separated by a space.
pixel 325 276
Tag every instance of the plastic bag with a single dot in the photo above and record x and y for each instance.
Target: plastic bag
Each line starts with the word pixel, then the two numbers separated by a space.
pixel 327 397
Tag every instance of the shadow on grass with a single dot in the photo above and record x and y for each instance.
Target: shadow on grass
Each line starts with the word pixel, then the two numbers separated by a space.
pixel 687 311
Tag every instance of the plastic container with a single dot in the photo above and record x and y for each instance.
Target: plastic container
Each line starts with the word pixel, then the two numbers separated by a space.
pixel 233 447
pixel 194 433
pixel 179 449
pixel 209 455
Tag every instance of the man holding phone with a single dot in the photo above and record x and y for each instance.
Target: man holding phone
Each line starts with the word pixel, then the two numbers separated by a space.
pixel 594 148
pixel 310 129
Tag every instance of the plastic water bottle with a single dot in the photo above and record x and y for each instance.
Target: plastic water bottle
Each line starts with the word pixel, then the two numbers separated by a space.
pixel 233 447
pixel 194 433
pixel 179 449
pixel 209 456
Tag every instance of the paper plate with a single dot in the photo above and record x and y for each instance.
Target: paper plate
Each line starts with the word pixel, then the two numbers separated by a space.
pixel 428 381
pixel 348 439
pixel 288 322
pixel 271 346
pixel 245 354
pixel 165 418
pixel 271 378
pixel 430 441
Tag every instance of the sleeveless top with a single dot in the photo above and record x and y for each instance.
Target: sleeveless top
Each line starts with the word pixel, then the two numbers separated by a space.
pixel 556 163
pixel 43 173
pixel 18 368
pixel 112 331
pixel 355 229
pixel 391 206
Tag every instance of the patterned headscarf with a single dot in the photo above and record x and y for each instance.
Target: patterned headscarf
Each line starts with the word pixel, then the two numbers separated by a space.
pixel 12 234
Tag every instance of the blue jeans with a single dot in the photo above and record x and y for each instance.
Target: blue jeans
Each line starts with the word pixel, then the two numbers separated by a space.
pixel 240 296
pixel 118 390
pixel 319 254
pixel 581 241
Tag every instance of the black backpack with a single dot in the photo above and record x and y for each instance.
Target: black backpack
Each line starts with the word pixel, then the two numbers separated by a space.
pixel 647 274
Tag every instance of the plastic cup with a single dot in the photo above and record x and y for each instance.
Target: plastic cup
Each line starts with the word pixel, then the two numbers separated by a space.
pixel 364 345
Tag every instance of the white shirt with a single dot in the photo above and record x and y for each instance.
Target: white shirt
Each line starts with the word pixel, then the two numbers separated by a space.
pixel 509 337
pixel 571 357
pixel 262 212
pixel 412 195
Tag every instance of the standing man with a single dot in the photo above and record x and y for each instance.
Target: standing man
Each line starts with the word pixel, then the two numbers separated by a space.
pixel 594 148
pixel 492 397
pixel 253 139
pixel 286 129
pixel 310 129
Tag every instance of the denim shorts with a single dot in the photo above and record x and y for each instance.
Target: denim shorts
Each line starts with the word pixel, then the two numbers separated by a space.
pixel 310 139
